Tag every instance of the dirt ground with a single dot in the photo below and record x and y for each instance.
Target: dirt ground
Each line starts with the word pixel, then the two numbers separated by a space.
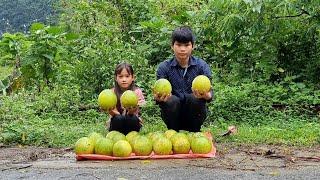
pixel 231 162
pixel 228 157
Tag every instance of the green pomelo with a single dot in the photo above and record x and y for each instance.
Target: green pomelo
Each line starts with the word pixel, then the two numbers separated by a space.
pixel 132 138
pixel 122 148
pixel 201 83
pixel 131 135
pixel 142 146
pixel 181 145
pixel 201 145
pixel 84 146
pixel 94 136
pixel 129 99
pixel 199 134
pixel 178 136
pixel 162 87
pixel 110 134
pixel 162 146
pixel 115 136
pixel 184 131
pixel 190 137
pixel 133 141
pixel 118 136
pixel 169 133
pixel 107 99
pixel 193 135
pixel 150 134
pixel 154 136
pixel 104 146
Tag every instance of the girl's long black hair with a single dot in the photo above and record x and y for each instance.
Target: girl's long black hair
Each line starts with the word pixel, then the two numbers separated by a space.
pixel 117 89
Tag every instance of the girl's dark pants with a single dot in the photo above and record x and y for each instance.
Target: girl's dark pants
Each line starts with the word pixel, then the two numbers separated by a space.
pixel 186 113
pixel 124 123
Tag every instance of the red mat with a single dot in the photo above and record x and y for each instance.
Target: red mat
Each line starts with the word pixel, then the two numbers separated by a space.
pixel 82 157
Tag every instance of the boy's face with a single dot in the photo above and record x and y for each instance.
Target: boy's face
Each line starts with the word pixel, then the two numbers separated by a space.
pixel 182 51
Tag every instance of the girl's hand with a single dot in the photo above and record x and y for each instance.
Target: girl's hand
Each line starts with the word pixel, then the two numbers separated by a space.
pixel 113 112
pixel 132 111
pixel 199 95
pixel 161 98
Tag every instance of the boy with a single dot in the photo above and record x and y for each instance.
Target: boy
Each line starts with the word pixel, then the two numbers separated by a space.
pixel 184 109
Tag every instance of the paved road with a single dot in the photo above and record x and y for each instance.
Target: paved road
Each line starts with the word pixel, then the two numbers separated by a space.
pixel 230 163
pixel 214 168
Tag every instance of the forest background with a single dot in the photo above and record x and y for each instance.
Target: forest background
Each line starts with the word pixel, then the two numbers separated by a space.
pixel 57 56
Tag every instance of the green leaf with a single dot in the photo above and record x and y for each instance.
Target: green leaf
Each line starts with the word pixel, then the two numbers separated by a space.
pixel 37 26
pixel 281 70
pixel 48 56
pixel 1 85
pixel 6 82
pixel 54 30
pixel 72 36
pixel 257 7
pixel 301 85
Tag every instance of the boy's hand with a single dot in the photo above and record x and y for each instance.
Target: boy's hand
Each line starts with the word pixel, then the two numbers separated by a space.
pixel 161 98
pixel 113 112
pixel 199 95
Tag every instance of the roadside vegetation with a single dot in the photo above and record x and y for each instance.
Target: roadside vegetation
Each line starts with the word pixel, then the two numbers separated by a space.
pixel 264 57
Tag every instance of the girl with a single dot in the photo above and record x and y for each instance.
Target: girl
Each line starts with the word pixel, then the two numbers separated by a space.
pixel 125 120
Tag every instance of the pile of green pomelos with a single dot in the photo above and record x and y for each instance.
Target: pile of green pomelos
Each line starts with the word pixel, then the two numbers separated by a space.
pixel 159 143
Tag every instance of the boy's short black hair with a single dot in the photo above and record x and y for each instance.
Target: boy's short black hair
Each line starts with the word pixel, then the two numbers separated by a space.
pixel 183 35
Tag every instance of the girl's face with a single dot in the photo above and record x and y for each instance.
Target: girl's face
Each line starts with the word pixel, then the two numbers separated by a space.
pixel 124 79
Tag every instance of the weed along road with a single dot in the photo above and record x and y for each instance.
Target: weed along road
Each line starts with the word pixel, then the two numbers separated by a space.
pixel 230 163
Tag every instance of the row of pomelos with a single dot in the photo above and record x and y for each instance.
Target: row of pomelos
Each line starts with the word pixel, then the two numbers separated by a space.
pixel 159 143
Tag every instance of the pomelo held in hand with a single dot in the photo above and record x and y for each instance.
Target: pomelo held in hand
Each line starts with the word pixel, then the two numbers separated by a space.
pixel 201 84
pixel 162 87
pixel 84 146
pixel 107 99
pixel 129 99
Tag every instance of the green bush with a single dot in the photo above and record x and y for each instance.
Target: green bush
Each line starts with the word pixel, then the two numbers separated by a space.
pixel 253 102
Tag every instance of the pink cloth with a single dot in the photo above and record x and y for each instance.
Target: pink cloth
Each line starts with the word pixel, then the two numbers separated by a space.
pixel 141 100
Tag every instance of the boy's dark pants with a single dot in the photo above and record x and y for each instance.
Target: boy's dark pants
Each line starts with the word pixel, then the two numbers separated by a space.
pixel 125 123
pixel 184 114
